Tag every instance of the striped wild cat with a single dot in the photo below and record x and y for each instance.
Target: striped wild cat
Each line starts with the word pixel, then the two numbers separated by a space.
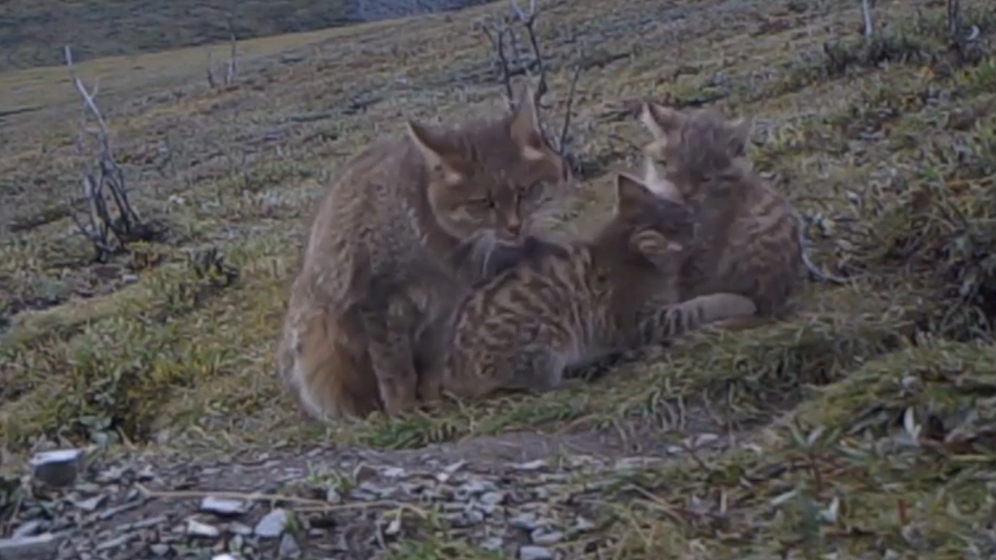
pixel 409 224
pixel 749 239
pixel 567 305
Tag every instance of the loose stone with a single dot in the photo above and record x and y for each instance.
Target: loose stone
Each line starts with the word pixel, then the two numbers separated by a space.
pixel 224 507
pixel 57 468
pixel 534 553
pixel 272 524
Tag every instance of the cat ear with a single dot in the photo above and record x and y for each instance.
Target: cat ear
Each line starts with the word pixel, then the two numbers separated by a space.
pixel 435 149
pixel 657 183
pixel 660 120
pixel 631 194
pixel 739 138
pixel 524 125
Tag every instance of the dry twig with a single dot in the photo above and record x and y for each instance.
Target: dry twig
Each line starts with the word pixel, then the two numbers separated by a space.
pixel 108 234
pixel 232 67
pixel 962 43
pixel 502 35
pixel 866 17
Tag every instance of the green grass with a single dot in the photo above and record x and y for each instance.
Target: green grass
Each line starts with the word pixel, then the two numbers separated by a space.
pixel 891 153
pixel 34 32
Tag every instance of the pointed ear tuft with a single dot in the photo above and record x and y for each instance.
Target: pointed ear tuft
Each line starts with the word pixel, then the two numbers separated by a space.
pixel 740 130
pixel 427 142
pixel 434 149
pixel 524 124
pixel 631 193
pixel 657 183
pixel 660 120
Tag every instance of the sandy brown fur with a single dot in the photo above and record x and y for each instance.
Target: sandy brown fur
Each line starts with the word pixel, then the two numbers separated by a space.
pixel 408 226
pixel 566 305
pixel 749 239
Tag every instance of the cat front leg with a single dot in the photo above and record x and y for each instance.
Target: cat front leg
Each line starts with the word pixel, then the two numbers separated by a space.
pixel 534 368
pixel 742 323
pixel 658 323
pixel 390 326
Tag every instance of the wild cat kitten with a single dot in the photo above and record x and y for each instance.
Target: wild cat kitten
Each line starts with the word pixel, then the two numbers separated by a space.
pixel 749 238
pixel 565 305
pixel 409 225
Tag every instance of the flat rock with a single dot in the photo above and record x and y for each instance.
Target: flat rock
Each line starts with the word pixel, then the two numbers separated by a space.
pixel 272 524
pixel 530 552
pixel 57 468
pixel 29 548
pixel 197 529
pixel 224 507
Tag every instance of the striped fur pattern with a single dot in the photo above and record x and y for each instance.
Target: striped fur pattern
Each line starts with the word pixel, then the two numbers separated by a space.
pixel 567 305
pixel 407 228
pixel 749 236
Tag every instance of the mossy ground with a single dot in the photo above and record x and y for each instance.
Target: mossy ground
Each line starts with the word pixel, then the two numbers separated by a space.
pixel 883 390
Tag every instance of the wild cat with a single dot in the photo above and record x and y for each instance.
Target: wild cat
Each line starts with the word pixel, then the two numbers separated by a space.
pixel 564 305
pixel 409 225
pixel 749 240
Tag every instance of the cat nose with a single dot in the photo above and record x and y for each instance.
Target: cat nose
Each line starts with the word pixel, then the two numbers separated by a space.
pixel 514 227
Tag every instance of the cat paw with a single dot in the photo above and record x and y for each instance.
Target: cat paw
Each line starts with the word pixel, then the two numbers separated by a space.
pixel 737 306
pixel 398 403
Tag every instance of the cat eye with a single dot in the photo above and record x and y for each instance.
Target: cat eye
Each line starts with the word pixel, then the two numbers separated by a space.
pixel 532 189
pixel 482 203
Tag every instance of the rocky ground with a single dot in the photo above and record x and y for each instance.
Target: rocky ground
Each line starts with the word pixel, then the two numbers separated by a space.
pixel 520 494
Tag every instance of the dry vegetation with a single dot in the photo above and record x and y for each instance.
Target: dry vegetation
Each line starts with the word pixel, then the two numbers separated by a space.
pixel 872 411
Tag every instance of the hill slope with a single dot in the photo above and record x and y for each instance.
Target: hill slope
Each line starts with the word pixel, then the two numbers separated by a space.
pixel 861 428
pixel 32 32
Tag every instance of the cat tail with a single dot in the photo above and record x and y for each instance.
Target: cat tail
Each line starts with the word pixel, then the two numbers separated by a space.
pixel 662 323
pixel 325 370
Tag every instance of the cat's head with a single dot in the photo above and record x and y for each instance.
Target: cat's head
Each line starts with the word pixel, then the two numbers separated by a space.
pixel 691 146
pixel 489 182
pixel 656 229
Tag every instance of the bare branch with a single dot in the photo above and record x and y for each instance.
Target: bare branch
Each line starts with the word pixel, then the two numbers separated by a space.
pixel 866 16
pixel 565 129
pixel 87 96
pixel 954 19
pixel 210 72
pixel 231 68
pixel 233 54
pixel 127 225
pixel 496 36
pixel 501 34
pixel 528 21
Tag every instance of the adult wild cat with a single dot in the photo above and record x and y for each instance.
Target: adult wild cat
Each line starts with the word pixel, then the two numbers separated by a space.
pixel 749 238
pixel 409 224
pixel 565 305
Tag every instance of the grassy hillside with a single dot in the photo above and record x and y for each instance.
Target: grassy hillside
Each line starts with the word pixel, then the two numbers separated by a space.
pixel 870 414
pixel 32 33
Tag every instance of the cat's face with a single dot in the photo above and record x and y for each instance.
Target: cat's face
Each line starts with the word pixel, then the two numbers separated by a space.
pixel 489 183
pixel 689 146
